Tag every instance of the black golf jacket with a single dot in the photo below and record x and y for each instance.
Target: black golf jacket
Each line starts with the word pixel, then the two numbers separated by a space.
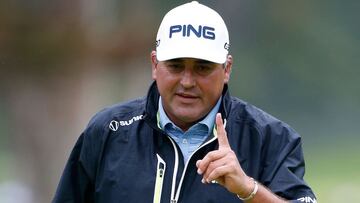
pixel 123 156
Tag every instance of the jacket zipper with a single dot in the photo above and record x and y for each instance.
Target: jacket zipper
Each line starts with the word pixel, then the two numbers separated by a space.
pixel 175 196
pixel 176 166
pixel 160 173
pixel 174 199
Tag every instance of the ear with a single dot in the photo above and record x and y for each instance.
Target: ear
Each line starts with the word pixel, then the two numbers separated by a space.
pixel 154 63
pixel 228 66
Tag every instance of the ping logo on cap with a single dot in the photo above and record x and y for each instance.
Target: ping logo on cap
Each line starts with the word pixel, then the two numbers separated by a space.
pixel 202 31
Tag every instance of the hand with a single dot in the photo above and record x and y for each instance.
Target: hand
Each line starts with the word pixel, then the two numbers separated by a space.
pixel 223 166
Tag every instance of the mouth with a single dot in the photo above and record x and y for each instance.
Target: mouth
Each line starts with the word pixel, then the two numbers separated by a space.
pixel 185 95
pixel 186 98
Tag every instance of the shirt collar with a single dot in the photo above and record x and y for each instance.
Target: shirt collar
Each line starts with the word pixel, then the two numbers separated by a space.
pixel 209 120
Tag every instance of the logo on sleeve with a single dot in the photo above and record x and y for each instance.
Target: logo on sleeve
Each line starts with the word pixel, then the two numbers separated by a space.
pixel 307 199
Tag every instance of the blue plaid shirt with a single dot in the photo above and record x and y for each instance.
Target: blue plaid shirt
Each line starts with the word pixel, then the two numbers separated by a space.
pixel 190 140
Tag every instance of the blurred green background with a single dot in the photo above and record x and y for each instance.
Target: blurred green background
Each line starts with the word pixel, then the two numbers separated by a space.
pixel 62 61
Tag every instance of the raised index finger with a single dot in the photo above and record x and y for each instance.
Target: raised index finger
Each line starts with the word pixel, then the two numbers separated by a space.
pixel 221 133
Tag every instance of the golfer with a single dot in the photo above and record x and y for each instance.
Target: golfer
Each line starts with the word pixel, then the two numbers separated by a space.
pixel 188 140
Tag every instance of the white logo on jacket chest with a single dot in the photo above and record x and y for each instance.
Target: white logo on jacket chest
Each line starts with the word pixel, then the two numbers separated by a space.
pixel 114 125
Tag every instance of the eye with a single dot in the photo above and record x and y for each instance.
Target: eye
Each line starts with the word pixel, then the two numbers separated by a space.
pixel 204 69
pixel 175 67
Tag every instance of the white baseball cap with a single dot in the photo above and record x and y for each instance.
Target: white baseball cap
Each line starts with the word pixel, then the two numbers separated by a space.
pixel 192 30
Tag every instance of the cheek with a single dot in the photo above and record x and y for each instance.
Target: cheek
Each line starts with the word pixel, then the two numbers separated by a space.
pixel 165 84
pixel 212 88
pixel 213 85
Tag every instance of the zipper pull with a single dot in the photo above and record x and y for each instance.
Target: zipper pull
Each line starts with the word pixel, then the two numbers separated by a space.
pixel 161 169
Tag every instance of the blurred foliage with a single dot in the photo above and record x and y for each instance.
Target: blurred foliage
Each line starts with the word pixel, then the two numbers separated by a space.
pixel 61 61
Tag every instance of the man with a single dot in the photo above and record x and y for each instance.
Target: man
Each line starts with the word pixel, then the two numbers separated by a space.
pixel 188 140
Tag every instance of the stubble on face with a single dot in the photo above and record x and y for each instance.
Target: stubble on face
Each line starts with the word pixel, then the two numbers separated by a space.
pixel 188 94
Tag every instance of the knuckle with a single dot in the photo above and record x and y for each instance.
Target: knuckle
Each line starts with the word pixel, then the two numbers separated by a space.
pixel 211 155
pixel 230 152
pixel 215 174
pixel 211 166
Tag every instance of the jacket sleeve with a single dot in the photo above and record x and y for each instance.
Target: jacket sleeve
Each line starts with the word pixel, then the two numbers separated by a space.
pixel 75 183
pixel 284 168
pixel 78 178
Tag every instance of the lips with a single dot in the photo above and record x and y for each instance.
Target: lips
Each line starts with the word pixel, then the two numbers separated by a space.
pixel 186 98
pixel 185 95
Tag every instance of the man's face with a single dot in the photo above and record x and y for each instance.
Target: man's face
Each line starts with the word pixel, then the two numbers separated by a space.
pixel 189 87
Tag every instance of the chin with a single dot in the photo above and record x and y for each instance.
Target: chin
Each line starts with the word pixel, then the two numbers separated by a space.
pixel 189 117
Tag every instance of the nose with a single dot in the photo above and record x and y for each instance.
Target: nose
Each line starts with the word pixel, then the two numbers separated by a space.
pixel 187 79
